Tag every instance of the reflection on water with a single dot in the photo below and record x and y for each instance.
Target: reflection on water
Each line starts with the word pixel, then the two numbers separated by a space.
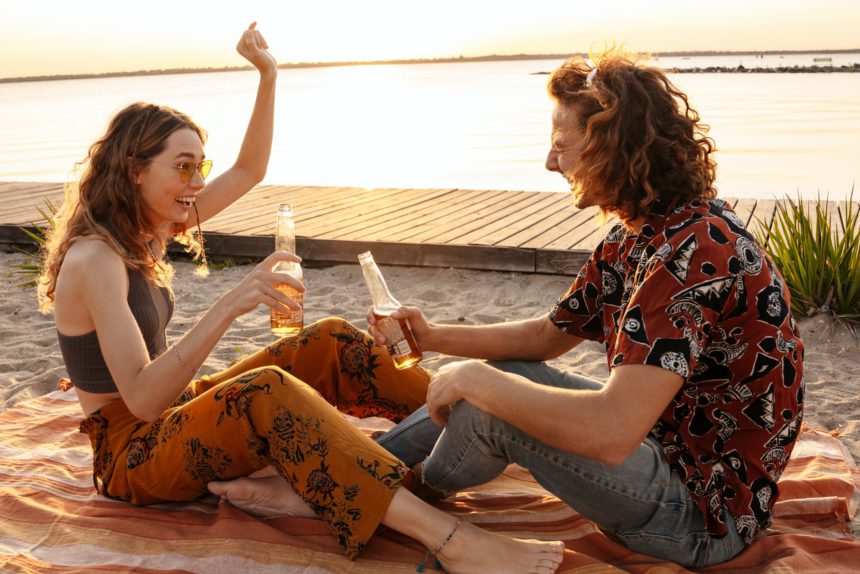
pixel 466 125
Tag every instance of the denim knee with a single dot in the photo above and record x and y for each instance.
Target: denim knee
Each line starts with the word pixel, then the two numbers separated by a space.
pixel 464 455
pixel 518 367
pixel 543 374
pixel 467 417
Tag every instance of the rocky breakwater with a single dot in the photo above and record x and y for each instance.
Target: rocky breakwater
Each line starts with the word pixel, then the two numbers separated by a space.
pixel 757 70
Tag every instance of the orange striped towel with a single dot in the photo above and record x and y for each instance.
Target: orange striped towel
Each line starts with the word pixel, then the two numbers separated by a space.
pixel 52 521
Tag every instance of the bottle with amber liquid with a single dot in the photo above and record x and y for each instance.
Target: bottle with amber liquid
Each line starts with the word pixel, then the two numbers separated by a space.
pixel 287 322
pixel 400 341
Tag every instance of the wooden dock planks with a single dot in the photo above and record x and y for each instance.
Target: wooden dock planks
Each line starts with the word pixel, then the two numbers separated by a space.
pixel 480 229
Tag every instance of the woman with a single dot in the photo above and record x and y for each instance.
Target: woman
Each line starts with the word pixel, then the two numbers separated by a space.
pixel 158 435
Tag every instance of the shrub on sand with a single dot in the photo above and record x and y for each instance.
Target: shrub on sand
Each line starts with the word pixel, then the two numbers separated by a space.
pixel 820 265
pixel 30 269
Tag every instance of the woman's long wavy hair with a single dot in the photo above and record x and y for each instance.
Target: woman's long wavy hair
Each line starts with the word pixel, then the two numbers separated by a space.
pixel 644 149
pixel 107 203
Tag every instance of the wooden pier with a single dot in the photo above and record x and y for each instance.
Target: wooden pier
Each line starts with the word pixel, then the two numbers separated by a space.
pixel 534 232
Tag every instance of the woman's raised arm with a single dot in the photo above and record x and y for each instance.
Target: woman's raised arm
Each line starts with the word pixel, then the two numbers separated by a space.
pixel 253 158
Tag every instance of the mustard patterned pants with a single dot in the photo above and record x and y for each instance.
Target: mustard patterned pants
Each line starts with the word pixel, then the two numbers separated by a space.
pixel 278 407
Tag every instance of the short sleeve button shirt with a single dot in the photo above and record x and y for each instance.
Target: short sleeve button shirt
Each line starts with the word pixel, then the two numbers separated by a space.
pixel 694 293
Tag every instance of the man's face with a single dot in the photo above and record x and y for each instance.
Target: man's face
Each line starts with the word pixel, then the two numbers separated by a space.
pixel 566 146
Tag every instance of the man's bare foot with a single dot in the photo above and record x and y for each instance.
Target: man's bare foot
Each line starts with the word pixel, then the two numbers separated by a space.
pixel 264 497
pixel 472 550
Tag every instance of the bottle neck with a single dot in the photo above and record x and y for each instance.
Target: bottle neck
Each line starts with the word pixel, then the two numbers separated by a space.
pixel 383 300
pixel 285 235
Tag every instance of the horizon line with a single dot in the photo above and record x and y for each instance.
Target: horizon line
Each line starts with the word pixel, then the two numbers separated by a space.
pixel 400 61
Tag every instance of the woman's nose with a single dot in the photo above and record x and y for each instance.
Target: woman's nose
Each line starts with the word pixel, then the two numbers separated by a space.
pixel 197 181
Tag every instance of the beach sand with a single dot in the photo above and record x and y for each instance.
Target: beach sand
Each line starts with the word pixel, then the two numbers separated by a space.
pixel 30 361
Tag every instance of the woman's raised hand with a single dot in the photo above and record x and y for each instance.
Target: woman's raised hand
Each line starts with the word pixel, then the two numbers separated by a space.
pixel 253 47
pixel 258 286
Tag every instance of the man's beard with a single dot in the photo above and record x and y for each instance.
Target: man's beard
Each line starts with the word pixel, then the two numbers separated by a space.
pixel 582 198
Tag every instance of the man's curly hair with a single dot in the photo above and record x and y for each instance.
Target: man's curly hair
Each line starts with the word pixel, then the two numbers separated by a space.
pixel 644 150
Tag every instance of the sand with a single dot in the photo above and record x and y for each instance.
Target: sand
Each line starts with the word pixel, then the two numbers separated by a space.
pixel 30 361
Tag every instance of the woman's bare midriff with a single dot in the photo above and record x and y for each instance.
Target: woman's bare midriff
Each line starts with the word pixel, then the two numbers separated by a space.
pixel 91 402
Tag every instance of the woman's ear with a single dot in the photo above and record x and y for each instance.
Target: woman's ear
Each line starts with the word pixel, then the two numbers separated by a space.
pixel 134 170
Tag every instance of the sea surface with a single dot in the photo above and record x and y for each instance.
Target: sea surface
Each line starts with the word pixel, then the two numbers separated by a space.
pixel 478 125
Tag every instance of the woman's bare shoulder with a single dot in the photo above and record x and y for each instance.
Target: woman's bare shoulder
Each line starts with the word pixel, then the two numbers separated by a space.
pixel 92 258
pixel 92 276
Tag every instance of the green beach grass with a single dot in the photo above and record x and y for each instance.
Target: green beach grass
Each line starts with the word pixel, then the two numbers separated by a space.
pixel 820 265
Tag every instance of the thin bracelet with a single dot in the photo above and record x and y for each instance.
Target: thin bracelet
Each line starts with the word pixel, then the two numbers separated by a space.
pixel 182 361
pixel 439 548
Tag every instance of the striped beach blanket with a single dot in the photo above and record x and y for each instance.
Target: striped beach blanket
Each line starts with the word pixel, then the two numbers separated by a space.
pixel 52 521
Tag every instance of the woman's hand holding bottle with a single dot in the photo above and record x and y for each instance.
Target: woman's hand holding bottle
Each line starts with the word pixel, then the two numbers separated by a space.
pixel 258 286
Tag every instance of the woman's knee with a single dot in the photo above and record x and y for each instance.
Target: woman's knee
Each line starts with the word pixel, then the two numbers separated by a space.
pixel 266 371
pixel 263 380
pixel 331 333
pixel 333 324
pixel 269 383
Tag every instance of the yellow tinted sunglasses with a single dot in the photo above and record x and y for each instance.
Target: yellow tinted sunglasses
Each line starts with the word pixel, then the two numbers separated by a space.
pixel 187 168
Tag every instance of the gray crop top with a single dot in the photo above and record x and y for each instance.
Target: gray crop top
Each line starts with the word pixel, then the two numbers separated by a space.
pixel 152 308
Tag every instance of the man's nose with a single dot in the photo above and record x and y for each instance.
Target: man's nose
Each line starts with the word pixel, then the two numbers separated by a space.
pixel 552 161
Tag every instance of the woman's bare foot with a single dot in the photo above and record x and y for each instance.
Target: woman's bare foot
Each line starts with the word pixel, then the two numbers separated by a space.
pixel 472 550
pixel 264 497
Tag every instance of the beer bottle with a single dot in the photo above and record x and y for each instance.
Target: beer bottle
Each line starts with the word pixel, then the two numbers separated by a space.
pixel 400 341
pixel 286 322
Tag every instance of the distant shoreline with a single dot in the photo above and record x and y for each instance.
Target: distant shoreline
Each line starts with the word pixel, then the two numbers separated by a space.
pixel 489 58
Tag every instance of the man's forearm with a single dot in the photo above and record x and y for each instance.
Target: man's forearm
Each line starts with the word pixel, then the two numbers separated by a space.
pixel 606 424
pixel 574 421
pixel 528 340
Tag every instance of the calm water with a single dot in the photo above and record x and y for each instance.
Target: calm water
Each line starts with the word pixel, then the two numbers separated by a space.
pixel 466 125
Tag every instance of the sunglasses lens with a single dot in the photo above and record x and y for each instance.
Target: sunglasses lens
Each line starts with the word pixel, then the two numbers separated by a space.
pixel 205 167
pixel 186 171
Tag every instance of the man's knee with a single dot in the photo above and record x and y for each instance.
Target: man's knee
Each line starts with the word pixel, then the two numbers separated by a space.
pixel 465 415
pixel 516 367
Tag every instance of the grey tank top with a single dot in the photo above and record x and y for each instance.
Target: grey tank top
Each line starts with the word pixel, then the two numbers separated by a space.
pixel 152 308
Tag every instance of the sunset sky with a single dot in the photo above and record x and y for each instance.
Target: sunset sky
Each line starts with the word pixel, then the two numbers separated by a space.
pixel 44 37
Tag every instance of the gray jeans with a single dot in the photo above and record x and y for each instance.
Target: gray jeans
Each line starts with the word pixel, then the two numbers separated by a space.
pixel 641 502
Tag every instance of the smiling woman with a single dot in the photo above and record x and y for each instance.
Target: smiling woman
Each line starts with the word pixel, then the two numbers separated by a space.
pixel 169 194
pixel 158 434
pixel 156 197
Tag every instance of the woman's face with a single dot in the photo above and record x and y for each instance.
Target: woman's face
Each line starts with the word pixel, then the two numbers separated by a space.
pixel 566 144
pixel 167 198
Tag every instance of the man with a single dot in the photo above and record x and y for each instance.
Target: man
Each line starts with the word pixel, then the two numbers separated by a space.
pixel 678 454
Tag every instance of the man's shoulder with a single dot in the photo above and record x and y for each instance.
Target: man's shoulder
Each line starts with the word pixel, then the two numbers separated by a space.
pixel 611 242
pixel 714 216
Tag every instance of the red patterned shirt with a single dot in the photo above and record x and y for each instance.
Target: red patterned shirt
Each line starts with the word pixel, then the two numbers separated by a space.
pixel 694 293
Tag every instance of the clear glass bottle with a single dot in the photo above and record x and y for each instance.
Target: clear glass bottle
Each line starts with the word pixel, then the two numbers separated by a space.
pixel 400 341
pixel 286 322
